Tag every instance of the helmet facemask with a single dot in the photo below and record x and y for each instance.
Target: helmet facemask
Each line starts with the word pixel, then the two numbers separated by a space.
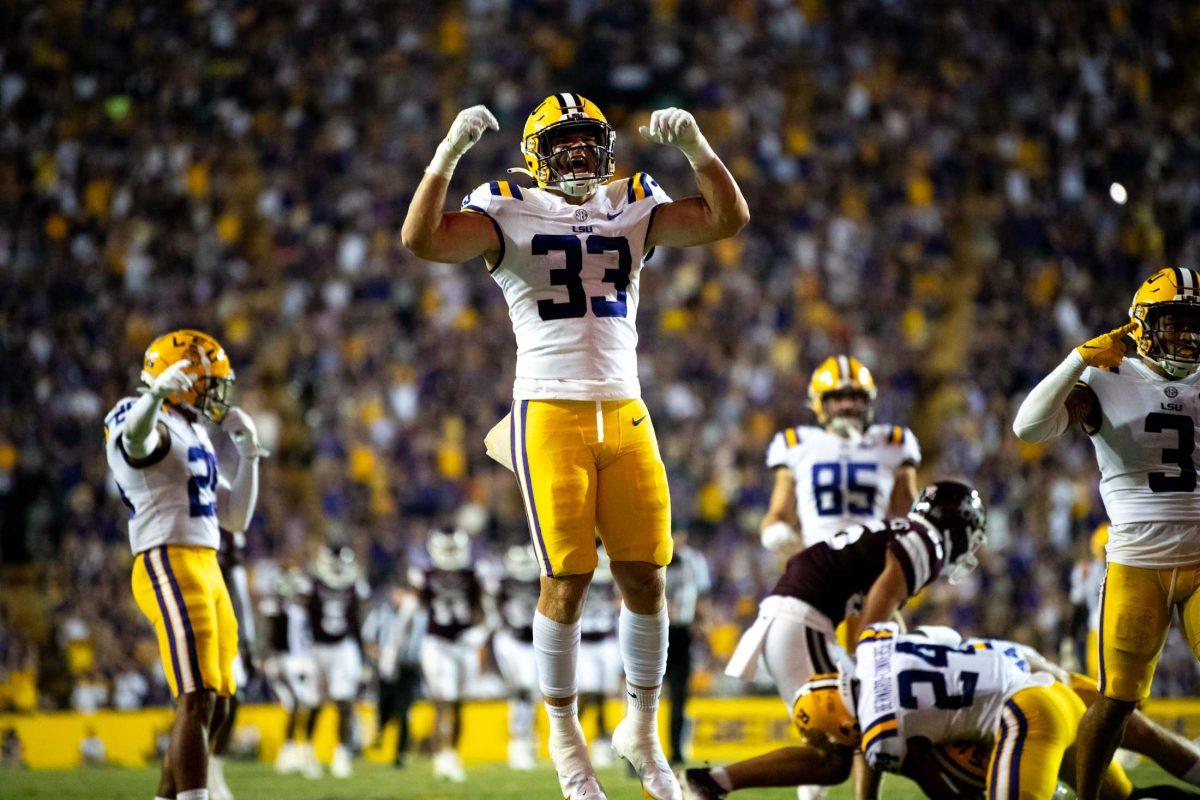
pixel 1170 336
pixel 574 156
pixel 214 396
pixel 848 412
pixel 961 546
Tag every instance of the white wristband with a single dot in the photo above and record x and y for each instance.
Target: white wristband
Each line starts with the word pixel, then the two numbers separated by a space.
pixel 444 160
pixel 700 155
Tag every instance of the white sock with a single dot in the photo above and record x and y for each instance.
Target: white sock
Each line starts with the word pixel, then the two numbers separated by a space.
pixel 520 718
pixel 1192 776
pixel 556 650
pixel 721 777
pixel 564 724
pixel 192 794
pixel 643 642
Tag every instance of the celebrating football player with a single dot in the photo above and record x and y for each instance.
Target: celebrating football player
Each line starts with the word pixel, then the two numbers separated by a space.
pixel 842 471
pixel 167 475
pixel 1141 412
pixel 888 562
pixel 568 256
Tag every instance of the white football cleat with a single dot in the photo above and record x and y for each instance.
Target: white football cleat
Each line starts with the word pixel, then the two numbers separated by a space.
pixel 602 754
pixel 218 789
pixel 520 755
pixel 342 766
pixel 446 765
pixel 288 760
pixel 645 753
pixel 576 777
pixel 309 766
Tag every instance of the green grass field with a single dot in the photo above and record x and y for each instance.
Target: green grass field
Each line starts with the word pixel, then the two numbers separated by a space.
pixel 372 782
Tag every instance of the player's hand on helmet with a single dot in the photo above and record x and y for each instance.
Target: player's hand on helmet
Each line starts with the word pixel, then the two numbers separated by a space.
pixel 172 379
pixel 240 427
pixel 1107 349
pixel 468 127
pixel 779 537
pixel 678 128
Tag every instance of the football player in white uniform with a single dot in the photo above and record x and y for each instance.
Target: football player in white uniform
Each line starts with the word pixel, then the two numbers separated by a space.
pixel 166 472
pixel 337 593
pixel 1142 412
pixel 290 668
pixel 515 596
pixel 452 594
pixel 842 471
pixel 568 256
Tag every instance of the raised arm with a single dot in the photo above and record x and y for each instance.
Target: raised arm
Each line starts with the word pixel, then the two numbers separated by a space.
pixel 1055 403
pixel 140 436
pixel 429 231
pixel 719 211
pixel 237 498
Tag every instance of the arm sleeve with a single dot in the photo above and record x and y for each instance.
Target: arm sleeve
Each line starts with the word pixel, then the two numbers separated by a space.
pixel 139 434
pixel 919 556
pixel 236 499
pixel 1043 414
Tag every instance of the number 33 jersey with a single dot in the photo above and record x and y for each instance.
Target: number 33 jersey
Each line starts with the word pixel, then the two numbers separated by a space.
pixel 1144 430
pixel 570 275
pixel 171 493
pixel 839 481
pixel 912 687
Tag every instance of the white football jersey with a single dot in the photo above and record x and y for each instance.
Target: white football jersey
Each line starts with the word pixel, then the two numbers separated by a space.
pixel 1145 438
pixel 570 277
pixel 171 493
pixel 841 482
pixel 913 687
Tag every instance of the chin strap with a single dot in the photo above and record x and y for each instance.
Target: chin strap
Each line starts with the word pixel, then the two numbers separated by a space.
pixel 521 171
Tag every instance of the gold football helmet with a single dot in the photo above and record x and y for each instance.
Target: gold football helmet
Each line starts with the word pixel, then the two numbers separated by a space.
pixel 568 145
pixel 843 378
pixel 826 706
pixel 212 375
pixel 1166 309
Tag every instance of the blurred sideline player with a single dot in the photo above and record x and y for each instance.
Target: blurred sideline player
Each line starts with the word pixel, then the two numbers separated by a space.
pixel 1141 412
pixel 166 472
pixel 336 595
pixel 886 563
pixel 688 586
pixel 568 256
pixel 1087 578
pixel 393 632
pixel 230 557
pixel 599 667
pixel 516 596
pixel 844 470
pixel 290 669
pixel 452 595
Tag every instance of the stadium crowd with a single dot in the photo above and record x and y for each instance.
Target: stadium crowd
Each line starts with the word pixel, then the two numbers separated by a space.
pixel 929 191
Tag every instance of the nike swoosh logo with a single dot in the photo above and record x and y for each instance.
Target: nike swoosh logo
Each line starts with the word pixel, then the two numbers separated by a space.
pixel 639 420
pixel 631 694
pixel 614 216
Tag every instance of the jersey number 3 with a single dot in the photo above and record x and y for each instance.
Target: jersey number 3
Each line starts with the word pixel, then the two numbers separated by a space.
pixel 1181 456
pixel 576 304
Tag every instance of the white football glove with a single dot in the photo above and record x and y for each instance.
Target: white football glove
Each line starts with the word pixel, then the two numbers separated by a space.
pixel 240 427
pixel 465 131
pixel 678 128
pixel 173 379
pixel 779 537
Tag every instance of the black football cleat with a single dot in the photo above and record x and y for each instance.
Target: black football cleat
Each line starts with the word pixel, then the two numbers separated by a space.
pixel 698 784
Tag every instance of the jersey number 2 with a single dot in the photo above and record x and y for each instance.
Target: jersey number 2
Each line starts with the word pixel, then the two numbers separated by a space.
pixel 576 304
pixel 196 483
pixel 1181 456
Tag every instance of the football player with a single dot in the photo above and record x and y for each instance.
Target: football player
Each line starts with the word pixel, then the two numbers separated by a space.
pixel 1087 576
pixel 568 256
pixel 599 656
pixel 516 602
pixel 337 592
pixel 451 593
pixel 887 562
pixel 166 473
pixel 842 471
pixel 291 670
pixel 1142 412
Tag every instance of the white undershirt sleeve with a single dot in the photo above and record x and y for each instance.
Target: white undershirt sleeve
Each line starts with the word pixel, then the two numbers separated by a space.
pixel 1044 415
